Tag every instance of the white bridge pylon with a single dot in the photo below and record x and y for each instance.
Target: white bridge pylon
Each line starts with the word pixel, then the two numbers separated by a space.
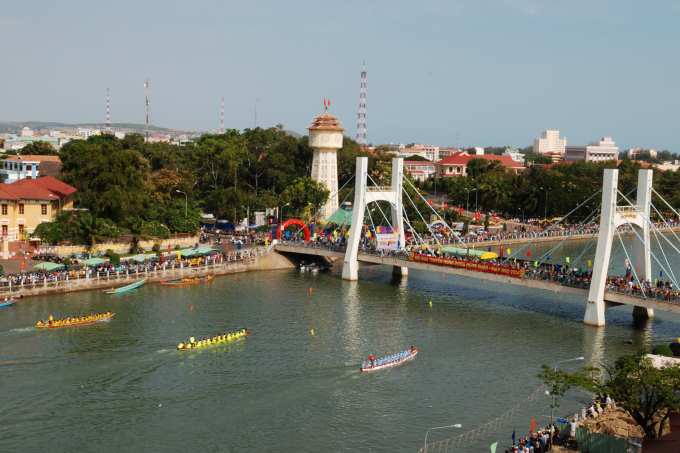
pixel 363 195
pixel 612 217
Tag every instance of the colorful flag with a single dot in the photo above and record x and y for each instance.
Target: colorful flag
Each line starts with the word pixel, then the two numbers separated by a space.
pixel 23 265
pixel 493 447
pixel 590 263
pixel 533 425
pixel 568 260
pixel 612 265
pixel 513 437
pixel 528 254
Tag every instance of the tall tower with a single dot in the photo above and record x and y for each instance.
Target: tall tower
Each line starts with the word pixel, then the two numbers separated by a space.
pixel 146 85
pixel 108 110
pixel 222 118
pixel 325 138
pixel 361 126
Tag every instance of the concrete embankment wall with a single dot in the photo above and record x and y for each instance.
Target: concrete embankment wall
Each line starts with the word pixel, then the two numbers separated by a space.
pixel 270 261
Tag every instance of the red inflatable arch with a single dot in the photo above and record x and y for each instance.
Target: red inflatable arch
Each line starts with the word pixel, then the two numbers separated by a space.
pixel 293 222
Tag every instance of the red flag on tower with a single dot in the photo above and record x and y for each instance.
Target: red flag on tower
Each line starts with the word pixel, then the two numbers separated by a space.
pixel 329 102
pixel 324 102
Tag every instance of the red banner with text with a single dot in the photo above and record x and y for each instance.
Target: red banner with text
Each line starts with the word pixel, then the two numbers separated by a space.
pixel 469 265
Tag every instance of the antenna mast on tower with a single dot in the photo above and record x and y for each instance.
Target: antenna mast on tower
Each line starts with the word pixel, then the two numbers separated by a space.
pixel 222 119
pixel 361 126
pixel 146 85
pixel 108 110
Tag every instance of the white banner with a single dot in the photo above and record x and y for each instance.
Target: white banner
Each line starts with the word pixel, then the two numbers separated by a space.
pixel 387 241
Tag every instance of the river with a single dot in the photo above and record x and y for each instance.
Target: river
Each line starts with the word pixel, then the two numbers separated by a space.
pixel 121 385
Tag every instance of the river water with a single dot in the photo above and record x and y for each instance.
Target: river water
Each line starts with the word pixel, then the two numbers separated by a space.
pixel 121 385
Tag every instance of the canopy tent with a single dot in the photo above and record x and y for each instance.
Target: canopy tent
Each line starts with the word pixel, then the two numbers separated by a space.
pixel 203 250
pixel 488 256
pixel 48 267
pixel 140 258
pixel 95 261
pixel 341 217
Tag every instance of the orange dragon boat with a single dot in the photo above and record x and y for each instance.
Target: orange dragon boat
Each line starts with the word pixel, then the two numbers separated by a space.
pixel 188 281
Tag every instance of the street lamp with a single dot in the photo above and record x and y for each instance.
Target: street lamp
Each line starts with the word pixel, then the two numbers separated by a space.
pixel 546 201
pixel 163 225
pixel 476 193
pixel 547 393
pixel 186 202
pixel 467 207
pixel 287 204
pixel 522 214
pixel 247 217
pixel 457 426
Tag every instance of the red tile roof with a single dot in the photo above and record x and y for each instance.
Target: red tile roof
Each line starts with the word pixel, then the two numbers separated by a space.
pixel 36 189
pixel 463 158
pixel 418 162
pixel 326 122
pixel 32 158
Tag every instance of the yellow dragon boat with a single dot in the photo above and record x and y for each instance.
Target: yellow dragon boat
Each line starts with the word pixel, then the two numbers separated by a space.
pixel 214 341
pixel 74 322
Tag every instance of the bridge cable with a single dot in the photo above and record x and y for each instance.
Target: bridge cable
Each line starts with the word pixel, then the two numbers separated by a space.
pixel 650 252
pixel 658 242
pixel 630 262
pixel 436 213
pixel 421 216
pixel 670 269
pixel 378 204
pixel 648 249
pixel 551 227
pixel 415 233
pixel 672 209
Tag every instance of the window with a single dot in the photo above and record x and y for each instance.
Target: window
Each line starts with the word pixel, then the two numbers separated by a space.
pixel 21 229
pixel 21 208
pixel 43 209
pixel 4 230
pixel 4 209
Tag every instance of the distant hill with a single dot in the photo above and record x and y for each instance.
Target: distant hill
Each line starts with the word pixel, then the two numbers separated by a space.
pixel 293 134
pixel 16 126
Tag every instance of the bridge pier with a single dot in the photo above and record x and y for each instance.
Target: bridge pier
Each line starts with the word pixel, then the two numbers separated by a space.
pixel 642 312
pixel 350 267
pixel 398 270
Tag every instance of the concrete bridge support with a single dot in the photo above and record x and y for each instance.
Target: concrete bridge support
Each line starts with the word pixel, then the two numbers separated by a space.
pixel 396 209
pixel 351 265
pixel 610 219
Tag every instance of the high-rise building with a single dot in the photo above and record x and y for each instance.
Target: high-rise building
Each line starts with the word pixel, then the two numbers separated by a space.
pixel 597 151
pixel 550 142
pixel 325 138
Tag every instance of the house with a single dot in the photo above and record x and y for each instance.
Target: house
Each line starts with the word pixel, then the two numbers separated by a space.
pixel 15 168
pixel 27 202
pixel 456 164
pixel 597 151
pixel 419 169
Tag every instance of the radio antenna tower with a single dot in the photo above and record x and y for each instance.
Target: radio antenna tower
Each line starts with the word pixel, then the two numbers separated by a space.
pixel 108 110
pixel 146 85
pixel 361 126
pixel 222 119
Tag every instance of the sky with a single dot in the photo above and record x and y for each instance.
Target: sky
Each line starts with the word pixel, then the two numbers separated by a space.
pixel 492 73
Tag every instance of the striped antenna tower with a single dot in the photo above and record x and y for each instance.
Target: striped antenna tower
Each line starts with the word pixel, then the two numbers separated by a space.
pixel 222 118
pixel 146 85
pixel 108 110
pixel 361 126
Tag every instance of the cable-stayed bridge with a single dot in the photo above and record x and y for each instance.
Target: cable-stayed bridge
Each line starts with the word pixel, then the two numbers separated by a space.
pixel 616 214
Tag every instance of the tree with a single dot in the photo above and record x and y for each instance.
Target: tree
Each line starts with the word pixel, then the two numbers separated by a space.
pixel 39 148
pixel 495 191
pixel 92 228
pixel 304 191
pixel 646 392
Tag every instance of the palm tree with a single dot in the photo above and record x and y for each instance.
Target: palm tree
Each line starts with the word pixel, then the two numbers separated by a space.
pixel 494 190
pixel 92 228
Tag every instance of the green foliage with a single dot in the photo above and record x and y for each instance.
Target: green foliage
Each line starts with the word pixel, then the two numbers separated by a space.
pixel 39 148
pixel 178 247
pixel 662 349
pixel 420 227
pixel 67 261
pixel 156 248
pixel 115 258
pixel 675 347
pixel 303 191
pixel 84 227
pixel 638 387
pixel 135 249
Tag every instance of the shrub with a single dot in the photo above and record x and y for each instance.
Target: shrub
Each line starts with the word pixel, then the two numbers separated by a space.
pixel 675 346
pixel 178 247
pixel 524 229
pixel 505 227
pixel 109 252
pixel 67 261
pixel 135 249
pixel 114 258
pixel 159 254
pixel 662 349
pixel 156 248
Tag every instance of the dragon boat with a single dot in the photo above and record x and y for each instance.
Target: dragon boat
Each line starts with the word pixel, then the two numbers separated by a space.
pixel 366 366
pixel 222 339
pixel 12 301
pixel 125 289
pixel 188 281
pixel 74 324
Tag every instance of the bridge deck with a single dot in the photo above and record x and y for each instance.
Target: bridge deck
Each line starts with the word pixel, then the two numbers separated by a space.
pixel 613 298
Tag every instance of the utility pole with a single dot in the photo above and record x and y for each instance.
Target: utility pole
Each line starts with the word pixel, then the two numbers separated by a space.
pixel 146 85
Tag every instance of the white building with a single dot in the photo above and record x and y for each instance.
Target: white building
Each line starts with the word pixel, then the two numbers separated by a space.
pixel 600 151
pixel 550 142
pixel 419 170
pixel 325 138
pixel 86 132
pixel 635 153
pixel 26 132
pixel 514 155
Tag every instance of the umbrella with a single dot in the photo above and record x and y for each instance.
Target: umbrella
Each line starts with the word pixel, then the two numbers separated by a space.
pixel 95 261
pixel 140 258
pixel 203 250
pixel 48 267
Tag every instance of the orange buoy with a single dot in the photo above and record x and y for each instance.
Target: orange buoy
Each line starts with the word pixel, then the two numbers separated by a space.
pixel 192 308
pixel 442 275
pixel 310 289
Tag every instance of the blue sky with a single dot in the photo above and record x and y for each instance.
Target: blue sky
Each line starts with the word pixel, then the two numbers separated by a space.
pixel 496 72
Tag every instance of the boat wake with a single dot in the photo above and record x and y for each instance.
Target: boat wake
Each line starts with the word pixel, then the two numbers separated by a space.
pixel 23 329
pixel 160 351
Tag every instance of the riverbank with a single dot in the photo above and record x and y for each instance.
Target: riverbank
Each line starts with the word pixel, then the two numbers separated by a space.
pixel 267 260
